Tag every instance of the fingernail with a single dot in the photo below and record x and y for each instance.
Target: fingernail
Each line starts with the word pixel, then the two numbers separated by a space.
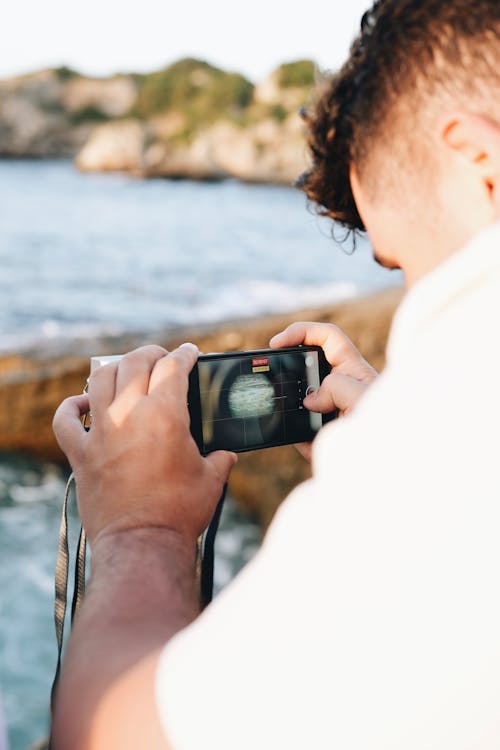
pixel 193 346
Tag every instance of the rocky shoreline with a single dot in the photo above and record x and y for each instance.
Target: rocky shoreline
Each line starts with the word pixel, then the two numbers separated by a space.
pixel 33 383
pixel 190 121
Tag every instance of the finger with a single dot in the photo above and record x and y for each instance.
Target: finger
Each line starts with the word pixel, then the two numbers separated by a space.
pixel 134 370
pixel 338 348
pixel 336 392
pixel 101 387
pixel 302 333
pixel 222 462
pixel 67 425
pixel 170 376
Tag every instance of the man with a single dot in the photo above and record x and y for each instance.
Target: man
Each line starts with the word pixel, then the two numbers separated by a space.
pixel 371 616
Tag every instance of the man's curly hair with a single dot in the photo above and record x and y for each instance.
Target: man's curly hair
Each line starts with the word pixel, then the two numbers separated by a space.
pixel 406 51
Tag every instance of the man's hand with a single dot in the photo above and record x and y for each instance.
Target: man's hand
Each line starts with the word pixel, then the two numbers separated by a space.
pixel 139 467
pixel 351 374
pixel 144 493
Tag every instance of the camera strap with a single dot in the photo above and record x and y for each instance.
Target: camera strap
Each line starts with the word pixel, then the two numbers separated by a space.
pixel 208 554
pixel 61 586
pixel 206 576
pixel 61 580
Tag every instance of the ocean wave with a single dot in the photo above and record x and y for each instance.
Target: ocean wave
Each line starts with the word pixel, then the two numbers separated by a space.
pixel 46 490
pixel 248 298
pixel 243 299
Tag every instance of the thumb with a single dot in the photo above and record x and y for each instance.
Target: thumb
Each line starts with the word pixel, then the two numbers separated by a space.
pixel 336 392
pixel 222 462
pixel 67 426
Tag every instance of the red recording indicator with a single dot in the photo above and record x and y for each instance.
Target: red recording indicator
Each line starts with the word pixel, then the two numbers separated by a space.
pixel 260 364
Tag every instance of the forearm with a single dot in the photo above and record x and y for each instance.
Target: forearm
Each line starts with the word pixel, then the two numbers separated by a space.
pixel 142 591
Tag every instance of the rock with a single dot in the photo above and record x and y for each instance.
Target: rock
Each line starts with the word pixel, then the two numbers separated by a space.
pixel 26 121
pixel 196 160
pixel 50 114
pixel 265 152
pixel 33 384
pixel 114 147
pixel 167 125
pixel 33 121
pixel 270 92
pixel 114 97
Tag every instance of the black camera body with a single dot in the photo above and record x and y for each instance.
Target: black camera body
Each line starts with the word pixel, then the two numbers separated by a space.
pixel 242 401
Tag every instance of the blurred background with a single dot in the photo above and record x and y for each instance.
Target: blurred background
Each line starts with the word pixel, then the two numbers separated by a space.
pixel 147 155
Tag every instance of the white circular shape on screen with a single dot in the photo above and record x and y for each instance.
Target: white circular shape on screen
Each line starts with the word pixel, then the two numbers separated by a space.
pixel 309 360
pixel 251 396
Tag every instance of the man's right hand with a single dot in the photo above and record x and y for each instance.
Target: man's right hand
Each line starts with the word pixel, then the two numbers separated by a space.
pixel 139 467
pixel 351 374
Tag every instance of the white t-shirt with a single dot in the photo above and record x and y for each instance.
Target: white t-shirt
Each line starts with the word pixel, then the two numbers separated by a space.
pixel 370 619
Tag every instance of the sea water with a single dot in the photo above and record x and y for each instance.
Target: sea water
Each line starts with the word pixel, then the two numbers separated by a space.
pixel 85 255
pixel 30 509
pixel 82 255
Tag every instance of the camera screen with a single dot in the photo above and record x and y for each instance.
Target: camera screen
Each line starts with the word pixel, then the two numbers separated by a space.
pixel 255 401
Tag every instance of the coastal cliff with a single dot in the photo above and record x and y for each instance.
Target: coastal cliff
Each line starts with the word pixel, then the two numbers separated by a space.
pixel 33 384
pixel 52 113
pixel 190 120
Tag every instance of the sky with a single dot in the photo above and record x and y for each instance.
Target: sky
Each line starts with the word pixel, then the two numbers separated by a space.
pixel 100 37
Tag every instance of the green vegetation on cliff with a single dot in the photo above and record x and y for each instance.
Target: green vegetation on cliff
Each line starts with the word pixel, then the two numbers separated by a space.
pixel 200 91
pixel 63 73
pixel 298 74
pixel 88 114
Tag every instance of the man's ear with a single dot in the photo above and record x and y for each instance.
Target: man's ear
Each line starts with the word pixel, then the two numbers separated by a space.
pixel 476 140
